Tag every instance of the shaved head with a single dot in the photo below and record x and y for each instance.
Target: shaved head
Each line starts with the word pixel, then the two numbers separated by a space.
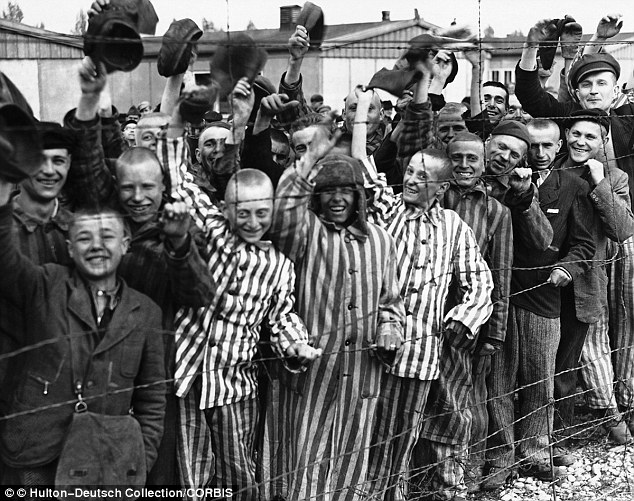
pixel 248 180
pixel 248 204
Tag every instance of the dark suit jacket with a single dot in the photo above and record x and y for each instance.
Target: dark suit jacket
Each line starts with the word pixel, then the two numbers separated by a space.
pixel 563 198
pixel 58 306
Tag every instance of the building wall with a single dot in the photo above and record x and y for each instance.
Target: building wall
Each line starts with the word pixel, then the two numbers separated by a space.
pixel 24 74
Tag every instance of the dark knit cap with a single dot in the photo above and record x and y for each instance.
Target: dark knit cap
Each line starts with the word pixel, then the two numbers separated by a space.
pixel 595 115
pixel 512 128
pixel 339 171
pixel 55 136
pixel 592 63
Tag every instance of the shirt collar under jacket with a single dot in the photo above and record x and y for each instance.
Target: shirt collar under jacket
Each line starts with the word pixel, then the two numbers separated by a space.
pixel 60 218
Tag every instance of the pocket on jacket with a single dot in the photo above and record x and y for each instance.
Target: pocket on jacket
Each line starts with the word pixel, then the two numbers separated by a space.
pixel 131 356
pixel 36 386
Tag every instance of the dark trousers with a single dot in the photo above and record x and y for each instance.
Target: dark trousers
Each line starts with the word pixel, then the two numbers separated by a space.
pixel 165 469
pixel 573 336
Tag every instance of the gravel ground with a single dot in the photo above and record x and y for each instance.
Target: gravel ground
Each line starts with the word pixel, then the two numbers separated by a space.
pixel 602 472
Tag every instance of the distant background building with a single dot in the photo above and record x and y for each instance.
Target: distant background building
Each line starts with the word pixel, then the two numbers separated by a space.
pixel 42 63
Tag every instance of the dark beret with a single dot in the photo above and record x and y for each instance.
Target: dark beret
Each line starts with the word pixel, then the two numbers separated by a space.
pixel 512 128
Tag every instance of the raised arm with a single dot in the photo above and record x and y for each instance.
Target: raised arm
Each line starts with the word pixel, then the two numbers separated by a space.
pixel 291 82
pixel 609 25
pixel 292 197
pixel 473 56
pixel 534 99
pixel 90 181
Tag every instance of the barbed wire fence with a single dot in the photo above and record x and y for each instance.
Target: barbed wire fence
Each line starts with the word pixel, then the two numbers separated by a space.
pixel 360 489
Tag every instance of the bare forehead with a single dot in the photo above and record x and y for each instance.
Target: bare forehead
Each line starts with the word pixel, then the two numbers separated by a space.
pixel 586 127
pixel 446 120
pixel 152 122
pixel 352 98
pixel 143 170
pixel 469 147
pixel 549 133
pixel 96 223
pixel 56 152
pixel 492 90
pixel 512 142
pixel 214 133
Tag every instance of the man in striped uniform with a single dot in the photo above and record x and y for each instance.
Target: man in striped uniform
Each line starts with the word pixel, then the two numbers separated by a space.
pixel 434 248
pixel 456 409
pixel 318 435
pixel 254 284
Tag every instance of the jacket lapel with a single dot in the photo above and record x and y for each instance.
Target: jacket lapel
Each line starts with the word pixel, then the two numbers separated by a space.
pixel 122 322
pixel 549 190
pixel 79 303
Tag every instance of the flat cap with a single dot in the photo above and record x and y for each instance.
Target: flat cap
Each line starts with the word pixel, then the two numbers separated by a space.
pixel 592 63
pixel 595 115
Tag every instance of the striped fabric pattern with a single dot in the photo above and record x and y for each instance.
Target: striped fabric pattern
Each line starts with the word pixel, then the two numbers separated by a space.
pixel 433 248
pixel 399 418
pixel 493 229
pixel 195 458
pixel 595 373
pixel 232 429
pixel 621 304
pixel 318 435
pixel 254 283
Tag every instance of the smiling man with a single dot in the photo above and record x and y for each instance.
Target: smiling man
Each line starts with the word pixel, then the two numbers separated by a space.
pixel 121 348
pixel 434 248
pixel 217 343
pixel 347 293
pixel 456 409
pixel 495 103
pixel 585 311
pixel 39 225
pixel 527 358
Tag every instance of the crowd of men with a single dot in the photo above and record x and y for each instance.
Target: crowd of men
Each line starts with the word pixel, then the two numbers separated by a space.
pixel 299 308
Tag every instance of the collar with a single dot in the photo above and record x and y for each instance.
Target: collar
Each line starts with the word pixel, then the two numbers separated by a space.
pixel 431 215
pixel 113 296
pixel 236 242
pixel 479 187
pixel 61 217
pixel 353 229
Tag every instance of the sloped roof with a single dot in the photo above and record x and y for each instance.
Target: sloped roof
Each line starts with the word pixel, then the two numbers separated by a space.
pixel 42 34
pixel 277 39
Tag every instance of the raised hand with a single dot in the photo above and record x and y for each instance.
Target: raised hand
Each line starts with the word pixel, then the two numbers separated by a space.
pixel 276 103
pixel 242 99
pixel 542 30
pixel 92 77
pixel 299 43
pixel 609 26
pixel 442 65
pixel 520 179
pixel 97 7
pixel 175 222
